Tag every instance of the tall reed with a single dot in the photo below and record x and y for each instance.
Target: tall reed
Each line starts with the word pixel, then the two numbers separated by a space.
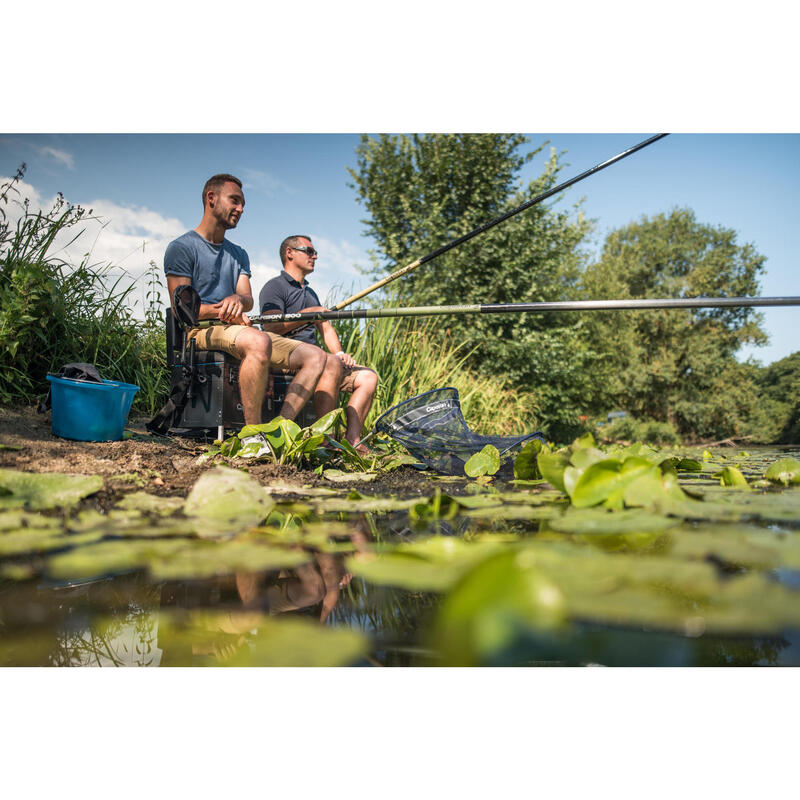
pixel 413 356
pixel 52 312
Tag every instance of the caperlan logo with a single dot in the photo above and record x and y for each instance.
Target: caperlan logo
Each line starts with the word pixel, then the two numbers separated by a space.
pixel 439 406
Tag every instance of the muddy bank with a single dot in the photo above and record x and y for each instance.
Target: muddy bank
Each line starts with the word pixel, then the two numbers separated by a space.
pixel 160 465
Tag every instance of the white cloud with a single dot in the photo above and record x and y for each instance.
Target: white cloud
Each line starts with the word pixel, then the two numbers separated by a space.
pixel 266 183
pixel 62 156
pixel 121 239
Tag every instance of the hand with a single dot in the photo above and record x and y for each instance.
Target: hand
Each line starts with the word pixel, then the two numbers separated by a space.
pixel 346 359
pixel 230 309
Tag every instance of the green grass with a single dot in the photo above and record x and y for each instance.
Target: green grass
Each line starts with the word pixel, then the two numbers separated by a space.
pixel 412 357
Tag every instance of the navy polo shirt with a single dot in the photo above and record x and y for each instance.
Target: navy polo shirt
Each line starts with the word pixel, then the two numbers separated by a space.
pixel 285 295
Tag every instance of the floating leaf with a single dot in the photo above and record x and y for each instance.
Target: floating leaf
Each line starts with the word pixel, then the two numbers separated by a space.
pixel 730 476
pixel 209 559
pixel 46 490
pixel 525 464
pixel 601 522
pixel 142 501
pixel 244 639
pixel 111 557
pixel 226 501
pixel 433 564
pixel 785 471
pixel 338 476
pixel 498 597
pixel 553 466
pixel 484 462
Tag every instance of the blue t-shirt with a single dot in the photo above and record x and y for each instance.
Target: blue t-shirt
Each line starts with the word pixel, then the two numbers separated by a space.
pixel 213 268
pixel 283 294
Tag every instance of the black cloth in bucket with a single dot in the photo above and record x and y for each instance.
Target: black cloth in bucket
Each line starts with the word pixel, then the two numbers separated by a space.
pixel 433 429
pixel 74 372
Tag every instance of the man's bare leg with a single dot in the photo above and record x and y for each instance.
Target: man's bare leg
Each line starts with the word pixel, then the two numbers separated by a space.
pixel 255 349
pixel 326 396
pixel 309 362
pixel 366 382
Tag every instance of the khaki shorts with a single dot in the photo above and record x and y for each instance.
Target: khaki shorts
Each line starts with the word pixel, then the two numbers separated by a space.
pixel 223 337
pixel 348 383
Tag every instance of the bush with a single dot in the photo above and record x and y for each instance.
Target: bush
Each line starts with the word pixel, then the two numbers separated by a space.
pixel 629 429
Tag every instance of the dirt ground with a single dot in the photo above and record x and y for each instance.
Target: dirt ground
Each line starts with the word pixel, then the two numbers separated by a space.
pixel 157 464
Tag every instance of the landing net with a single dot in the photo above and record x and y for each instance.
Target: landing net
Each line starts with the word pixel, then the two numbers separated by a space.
pixel 433 429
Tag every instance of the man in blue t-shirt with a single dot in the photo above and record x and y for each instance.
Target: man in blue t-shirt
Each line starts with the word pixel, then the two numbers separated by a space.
pixel 288 293
pixel 220 272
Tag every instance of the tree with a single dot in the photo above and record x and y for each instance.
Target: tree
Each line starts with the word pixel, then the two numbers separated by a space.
pixel 677 366
pixel 779 391
pixel 422 191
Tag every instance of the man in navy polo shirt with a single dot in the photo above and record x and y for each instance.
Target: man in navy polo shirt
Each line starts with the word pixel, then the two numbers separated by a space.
pixel 288 293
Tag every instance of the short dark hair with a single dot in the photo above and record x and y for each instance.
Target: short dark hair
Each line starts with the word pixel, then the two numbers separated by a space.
pixel 291 241
pixel 216 182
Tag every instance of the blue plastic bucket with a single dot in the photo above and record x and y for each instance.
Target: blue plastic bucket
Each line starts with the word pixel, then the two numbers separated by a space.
pixel 90 412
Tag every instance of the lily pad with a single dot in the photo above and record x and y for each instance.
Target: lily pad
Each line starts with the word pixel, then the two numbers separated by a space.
pixel 785 471
pixel 525 464
pixel 339 476
pixel 484 462
pixel 46 490
pixel 225 502
pixel 243 639
pixel 142 501
pixel 499 596
pixel 208 559
pixel 597 521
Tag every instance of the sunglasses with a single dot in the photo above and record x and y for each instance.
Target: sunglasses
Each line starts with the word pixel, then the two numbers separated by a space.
pixel 309 251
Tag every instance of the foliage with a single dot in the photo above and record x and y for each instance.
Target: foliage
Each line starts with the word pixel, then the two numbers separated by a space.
pixel 779 393
pixel 675 365
pixel 52 312
pixel 630 429
pixel 414 356
pixel 422 191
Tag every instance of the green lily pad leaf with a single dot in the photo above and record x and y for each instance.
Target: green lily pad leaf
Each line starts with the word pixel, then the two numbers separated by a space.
pixel 226 501
pixel 707 455
pixel 440 506
pixel 499 597
pixel 485 462
pixel 12 520
pixel 368 504
pixel 142 501
pixel 584 458
pixel 785 471
pixel 393 461
pixel 106 558
pixel 510 512
pixel 586 440
pixel 601 522
pixel 40 540
pixel 526 466
pixel 17 572
pixel 687 465
pixel 253 639
pixel 46 490
pixel 9 447
pixel 745 546
pixel 338 476
pixel 433 564
pixel 552 466
pixel 210 559
pixel 730 476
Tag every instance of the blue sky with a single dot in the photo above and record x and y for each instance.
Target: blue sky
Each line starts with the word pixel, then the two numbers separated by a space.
pixel 146 188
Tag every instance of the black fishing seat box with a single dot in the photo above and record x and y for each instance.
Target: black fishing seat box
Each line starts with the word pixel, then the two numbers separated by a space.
pixel 215 400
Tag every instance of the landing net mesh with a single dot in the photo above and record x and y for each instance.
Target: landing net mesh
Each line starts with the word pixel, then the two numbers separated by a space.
pixel 433 429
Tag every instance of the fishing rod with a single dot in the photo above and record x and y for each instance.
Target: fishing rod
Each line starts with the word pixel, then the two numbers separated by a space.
pixel 519 308
pixel 502 218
